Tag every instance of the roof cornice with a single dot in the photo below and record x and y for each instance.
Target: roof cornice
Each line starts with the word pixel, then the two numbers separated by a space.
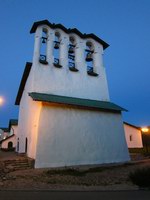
pixel 68 30
pixel 139 128
pixel 74 101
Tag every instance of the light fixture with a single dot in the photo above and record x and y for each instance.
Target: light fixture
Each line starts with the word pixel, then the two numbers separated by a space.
pixel 1 100
pixel 144 129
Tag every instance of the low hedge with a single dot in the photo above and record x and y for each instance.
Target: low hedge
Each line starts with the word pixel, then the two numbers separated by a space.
pixel 141 177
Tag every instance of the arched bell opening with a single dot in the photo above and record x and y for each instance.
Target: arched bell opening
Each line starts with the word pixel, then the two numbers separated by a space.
pixel 57 50
pixel 71 54
pixel 43 47
pixel 89 59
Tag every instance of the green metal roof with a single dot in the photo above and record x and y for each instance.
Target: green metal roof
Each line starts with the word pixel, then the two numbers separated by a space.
pixel 99 105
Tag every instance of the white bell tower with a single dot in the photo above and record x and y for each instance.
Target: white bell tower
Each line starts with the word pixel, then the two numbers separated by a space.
pixel 68 63
pixel 65 116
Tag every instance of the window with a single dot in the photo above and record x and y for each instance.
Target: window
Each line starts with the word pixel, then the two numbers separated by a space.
pixel 130 137
pixel 43 47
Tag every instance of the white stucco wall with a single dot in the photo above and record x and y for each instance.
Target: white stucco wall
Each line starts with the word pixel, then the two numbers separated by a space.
pixel 28 117
pixel 28 120
pixel 13 129
pixel 11 139
pixel 68 136
pixel 51 80
pixel 133 137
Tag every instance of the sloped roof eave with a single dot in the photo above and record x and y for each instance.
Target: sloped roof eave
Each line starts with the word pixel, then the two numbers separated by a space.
pixel 126 123
pixel 7 138
pixel 86 103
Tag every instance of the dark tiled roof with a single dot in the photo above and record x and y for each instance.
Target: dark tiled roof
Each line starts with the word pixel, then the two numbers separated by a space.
pixel 74 30
pixel 23 82
pixel 132 125
pixel 87 103
pixel 5 129
pixel 13 122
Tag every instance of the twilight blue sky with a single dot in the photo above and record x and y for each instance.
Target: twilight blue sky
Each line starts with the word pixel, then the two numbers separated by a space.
pixel 124 24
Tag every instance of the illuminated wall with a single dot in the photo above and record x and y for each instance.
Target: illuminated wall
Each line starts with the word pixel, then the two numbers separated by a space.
pixel 71 136
pixel 133 136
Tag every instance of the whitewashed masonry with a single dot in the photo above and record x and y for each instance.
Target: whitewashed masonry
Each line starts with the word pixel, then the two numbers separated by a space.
pixel 65 115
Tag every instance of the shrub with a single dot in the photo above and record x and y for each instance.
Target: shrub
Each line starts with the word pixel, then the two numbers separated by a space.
pixel 141 177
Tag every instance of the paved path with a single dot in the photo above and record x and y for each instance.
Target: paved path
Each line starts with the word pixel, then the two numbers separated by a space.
pixel 53 195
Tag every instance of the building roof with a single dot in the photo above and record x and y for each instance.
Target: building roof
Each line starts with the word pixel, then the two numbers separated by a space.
pixel 13 122
pixel 23 82
pixel 74 30
pixel 7 138
pixel 132 125
pixel 86 103
pixel 5 129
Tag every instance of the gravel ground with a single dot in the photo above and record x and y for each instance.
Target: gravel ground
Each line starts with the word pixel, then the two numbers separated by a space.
pixel 102 178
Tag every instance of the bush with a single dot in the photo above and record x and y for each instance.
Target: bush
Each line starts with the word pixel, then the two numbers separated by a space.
pixel 141 177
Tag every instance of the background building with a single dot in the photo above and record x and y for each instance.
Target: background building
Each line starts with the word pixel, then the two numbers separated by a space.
pixel 133 136
pixel 9 135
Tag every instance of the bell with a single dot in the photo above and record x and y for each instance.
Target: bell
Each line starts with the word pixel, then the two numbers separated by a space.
pixel 44 40
pixel 56 45
pixel 89 68
pixel 71 57
pixel 71 49
pixel 89 57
